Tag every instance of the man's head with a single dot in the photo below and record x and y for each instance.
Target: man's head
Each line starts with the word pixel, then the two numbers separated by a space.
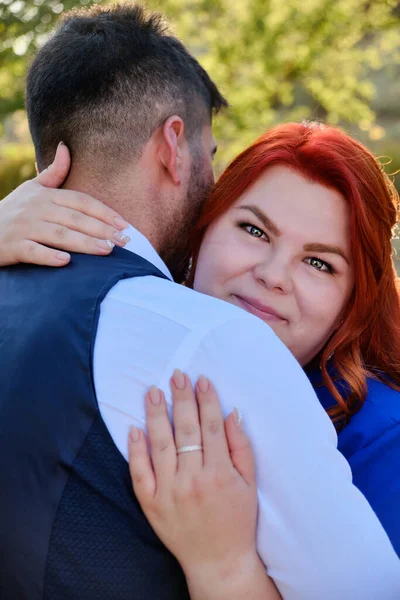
pixel 135 109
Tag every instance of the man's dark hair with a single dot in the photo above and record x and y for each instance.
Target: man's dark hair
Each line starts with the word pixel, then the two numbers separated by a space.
pixel 107 79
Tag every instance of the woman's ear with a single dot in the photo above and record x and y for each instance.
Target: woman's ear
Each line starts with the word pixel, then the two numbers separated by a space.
pixel 172 148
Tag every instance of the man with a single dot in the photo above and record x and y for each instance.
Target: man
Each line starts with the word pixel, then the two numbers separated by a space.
pixel 135 109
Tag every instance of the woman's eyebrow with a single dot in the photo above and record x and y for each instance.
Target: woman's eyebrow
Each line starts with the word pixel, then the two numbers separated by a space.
pixel 266 221
pixel 328 248
pixel 273 228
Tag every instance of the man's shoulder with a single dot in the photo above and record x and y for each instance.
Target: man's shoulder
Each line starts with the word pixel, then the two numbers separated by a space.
pixel 176 302
pixel 190 326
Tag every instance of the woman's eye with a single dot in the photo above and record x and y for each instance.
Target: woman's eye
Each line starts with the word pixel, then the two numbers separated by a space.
pixel 319 264
pixel 253 230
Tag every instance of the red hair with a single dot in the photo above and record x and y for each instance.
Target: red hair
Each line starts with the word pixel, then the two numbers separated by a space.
pixel 368 341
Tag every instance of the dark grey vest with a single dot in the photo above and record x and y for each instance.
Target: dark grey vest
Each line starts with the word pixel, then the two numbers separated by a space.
pixel 70 525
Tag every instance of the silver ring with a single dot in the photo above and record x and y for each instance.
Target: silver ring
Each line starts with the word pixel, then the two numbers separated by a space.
pixel 188 449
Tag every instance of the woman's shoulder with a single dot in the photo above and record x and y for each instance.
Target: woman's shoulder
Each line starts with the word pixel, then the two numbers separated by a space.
pixel 371 444
pixel 379 415
pixel 384 400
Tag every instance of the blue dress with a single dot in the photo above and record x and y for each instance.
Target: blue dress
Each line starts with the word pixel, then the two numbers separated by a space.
pixel 371 445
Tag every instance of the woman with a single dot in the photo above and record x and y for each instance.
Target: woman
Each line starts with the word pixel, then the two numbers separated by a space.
pixel 334 303
pixel 298 232
pixel 364 336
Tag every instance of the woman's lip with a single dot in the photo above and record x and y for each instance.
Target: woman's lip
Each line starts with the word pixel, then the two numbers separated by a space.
pixel 260 310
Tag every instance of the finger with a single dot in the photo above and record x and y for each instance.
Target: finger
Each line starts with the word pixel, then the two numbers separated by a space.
pixel 56 173
pixel 215 445
pixel 240 447
pixel 140 467
pixel 79 221
pixel 32 252
pixel 161 438
pixel 186 421
pixel 90 206
pixel 58 236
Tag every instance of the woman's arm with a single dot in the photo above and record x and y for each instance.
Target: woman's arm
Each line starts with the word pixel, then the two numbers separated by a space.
pixel 240 582
pixel 201 503
pixel 36 218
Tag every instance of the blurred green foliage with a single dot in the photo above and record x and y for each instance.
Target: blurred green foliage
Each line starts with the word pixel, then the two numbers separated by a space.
pixel 16 165
pixel 24 26
pixel 275 60
pixel 288 60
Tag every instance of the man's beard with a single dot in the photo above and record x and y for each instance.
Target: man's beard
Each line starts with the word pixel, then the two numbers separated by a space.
pixel 177 242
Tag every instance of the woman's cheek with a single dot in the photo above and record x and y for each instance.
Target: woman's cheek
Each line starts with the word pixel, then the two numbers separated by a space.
pixel 210 270
pixel 323 307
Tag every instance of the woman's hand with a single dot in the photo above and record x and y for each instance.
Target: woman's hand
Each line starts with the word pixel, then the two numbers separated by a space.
pixel 36 218
pixel 201 503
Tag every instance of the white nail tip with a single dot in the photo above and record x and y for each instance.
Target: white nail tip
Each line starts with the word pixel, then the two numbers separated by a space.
pixel 239 416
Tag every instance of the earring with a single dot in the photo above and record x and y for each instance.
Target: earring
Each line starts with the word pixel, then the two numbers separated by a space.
pixel 328 359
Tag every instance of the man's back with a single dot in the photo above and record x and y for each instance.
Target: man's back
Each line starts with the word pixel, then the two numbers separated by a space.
pixel 70 526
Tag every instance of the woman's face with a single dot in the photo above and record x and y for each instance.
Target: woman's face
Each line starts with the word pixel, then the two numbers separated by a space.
pixel 282 252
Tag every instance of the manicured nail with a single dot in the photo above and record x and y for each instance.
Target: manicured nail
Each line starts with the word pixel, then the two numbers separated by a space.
pixel 238 417
pixel 121 238
pixel 154 395
pixel 134 434
pixel 62 256
pixel 120 223
pixel 203 383
pixel 105 244
pixel 179 379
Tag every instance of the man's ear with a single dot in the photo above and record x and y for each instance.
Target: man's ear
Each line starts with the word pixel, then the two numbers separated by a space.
pixel 171 152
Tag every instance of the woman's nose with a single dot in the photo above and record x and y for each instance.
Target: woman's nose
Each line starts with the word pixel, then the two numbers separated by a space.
pixel 274 274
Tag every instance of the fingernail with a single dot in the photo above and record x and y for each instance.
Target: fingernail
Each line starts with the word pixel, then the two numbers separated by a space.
pixel 154 395
pixel 120 223
pixel 134 433
pixel 63 256
pixel 203 383
pixel 179 379
pixel 238 417
pixel 60 144
pixel 105 244
pixel 121 238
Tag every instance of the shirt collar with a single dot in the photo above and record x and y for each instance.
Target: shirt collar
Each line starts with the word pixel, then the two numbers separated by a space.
pixel 140 245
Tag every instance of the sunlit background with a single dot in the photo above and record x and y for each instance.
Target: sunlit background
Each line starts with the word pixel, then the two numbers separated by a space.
pixel 275 60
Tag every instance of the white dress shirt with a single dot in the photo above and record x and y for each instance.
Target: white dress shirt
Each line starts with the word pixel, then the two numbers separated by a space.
pixel 317 533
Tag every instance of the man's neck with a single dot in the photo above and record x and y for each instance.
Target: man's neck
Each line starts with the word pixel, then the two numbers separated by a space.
pixel 134 203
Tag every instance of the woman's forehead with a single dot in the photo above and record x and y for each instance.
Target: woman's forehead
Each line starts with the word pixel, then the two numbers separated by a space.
pixel 289 204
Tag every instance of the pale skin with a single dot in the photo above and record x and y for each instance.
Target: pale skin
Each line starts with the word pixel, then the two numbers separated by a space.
pixel 41 224
pixel 282 252
pixel 201 504
pixel 272 266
